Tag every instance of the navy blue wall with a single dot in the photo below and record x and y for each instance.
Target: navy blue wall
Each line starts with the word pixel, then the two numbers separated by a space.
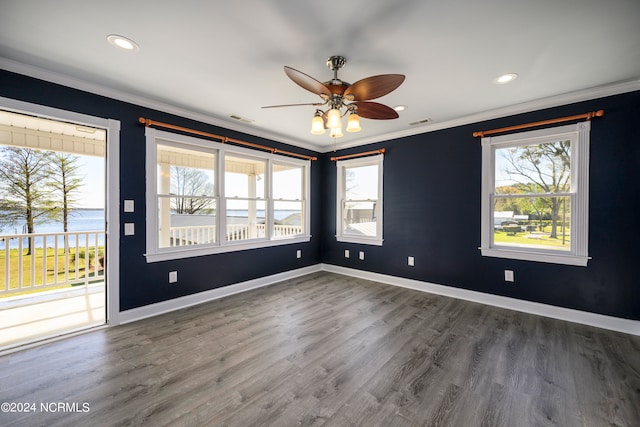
pixel 142 283
pixel 431 211
pixel 432 194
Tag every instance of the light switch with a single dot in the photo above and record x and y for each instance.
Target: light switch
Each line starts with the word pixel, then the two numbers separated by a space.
pixel 129 206
pixel 129 229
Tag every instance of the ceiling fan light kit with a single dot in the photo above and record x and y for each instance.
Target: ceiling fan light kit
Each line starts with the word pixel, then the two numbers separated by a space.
pixel 342 98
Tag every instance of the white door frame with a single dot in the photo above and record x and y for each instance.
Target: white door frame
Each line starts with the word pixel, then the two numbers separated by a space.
pixel 112 230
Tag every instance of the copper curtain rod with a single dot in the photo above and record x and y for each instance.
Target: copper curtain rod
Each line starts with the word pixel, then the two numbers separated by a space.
pixel 223 139
pixel 366 153
pixel 587 116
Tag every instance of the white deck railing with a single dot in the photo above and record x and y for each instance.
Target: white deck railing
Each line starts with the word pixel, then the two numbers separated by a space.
pixel 77 257
pixel 57 259
pixel 202 234
pixel 280 230
pixel 192 235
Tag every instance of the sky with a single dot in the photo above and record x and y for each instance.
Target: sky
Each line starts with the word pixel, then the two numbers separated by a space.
pixel 92 193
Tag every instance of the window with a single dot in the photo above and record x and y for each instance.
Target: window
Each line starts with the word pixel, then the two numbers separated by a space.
pixel 535 195
pixel 244 190
pixel 204 197
pixel 186 196
pixel 288 198
pixel 359 200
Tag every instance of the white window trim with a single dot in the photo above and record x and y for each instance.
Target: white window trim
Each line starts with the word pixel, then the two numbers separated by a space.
pixel 580 204
pixel 340 199
pixel 155 254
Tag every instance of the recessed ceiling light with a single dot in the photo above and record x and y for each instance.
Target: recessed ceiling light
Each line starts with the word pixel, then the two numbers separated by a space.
pixel 505 78
pixel 122 43
pixel 400 107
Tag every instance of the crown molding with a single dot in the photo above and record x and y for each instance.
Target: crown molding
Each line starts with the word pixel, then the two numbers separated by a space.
pixel 526 107
pixel 539 104
pixel 75 83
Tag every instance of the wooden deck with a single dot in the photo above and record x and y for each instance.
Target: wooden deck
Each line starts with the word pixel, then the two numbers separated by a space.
pixel 330 350
pixel 47 314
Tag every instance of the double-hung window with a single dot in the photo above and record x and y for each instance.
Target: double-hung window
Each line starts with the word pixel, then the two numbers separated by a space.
pixel 245 197
pixel 289 204
pixel 186 196
pixel 359 200
pixel 204 197
pixel 535 195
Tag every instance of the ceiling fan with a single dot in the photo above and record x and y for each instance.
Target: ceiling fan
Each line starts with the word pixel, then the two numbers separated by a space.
pixel 338 95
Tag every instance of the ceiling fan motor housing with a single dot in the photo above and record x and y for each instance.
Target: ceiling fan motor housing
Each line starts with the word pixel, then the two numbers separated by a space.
pixel 336 62
pixel 335 85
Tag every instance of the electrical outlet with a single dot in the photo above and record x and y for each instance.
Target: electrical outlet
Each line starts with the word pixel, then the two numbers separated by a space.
pixel 410 261
pixel 173 276
pixel 508 276
pixel 361 255
pixel 346 253
pixel 298 253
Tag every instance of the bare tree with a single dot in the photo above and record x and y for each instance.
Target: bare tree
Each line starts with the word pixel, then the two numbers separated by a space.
pixel 190 182
pixel 23 174
pixel 64 180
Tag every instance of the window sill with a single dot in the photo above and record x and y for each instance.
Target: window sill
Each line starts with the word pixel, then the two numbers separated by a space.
pixel 189 252
pixel 548 257
pixel 360 240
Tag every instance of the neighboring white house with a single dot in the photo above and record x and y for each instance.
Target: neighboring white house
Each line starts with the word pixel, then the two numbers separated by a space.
pixel 499 217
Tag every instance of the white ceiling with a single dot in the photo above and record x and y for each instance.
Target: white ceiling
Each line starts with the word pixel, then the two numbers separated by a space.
pixel 212 59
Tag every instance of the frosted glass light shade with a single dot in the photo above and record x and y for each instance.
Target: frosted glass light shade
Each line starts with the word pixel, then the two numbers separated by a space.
pixel 317 125
pixel 333 118
pixel 336 132
pixel 353 123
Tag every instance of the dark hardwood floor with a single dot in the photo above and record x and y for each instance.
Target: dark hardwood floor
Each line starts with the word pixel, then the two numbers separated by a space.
pixel 326 349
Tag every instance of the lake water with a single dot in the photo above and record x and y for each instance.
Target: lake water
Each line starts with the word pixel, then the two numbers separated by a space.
pixel 89 220
pixel 79 220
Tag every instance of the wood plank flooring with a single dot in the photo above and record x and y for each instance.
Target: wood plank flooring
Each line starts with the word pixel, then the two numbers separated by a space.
pixel 330 350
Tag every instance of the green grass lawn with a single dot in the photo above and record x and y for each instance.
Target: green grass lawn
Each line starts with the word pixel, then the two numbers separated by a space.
pixel 49 275
pixel 535 238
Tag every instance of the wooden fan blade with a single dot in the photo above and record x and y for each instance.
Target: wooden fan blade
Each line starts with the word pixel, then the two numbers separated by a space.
pixel 376 111
pixel 316 104
pixel 307 82
pixel 373 87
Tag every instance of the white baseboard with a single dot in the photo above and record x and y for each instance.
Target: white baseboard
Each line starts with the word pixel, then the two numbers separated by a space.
pixel 576 316
pixel 151 310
